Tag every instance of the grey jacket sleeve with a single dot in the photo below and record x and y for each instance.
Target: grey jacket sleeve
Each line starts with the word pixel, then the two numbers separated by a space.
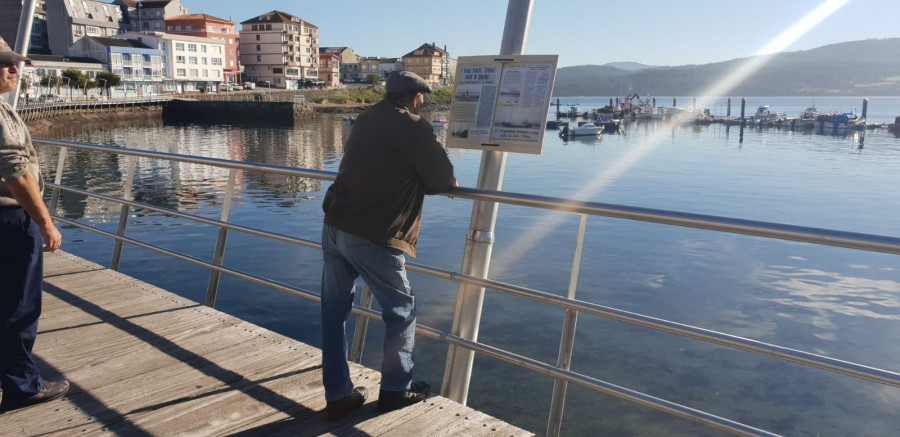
pixel 430 161
pixel 14 157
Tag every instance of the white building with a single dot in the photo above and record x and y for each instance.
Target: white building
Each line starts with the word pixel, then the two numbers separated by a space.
pixel 279 48
pixel 189 63
pixel 70 20
pixel 139 65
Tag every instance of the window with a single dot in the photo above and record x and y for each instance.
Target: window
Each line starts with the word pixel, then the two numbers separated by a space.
pixel 211 28
pixel 205 73
pixel 192 60
pixel 92 30
pixel 230 41
pixel 178 28
pixel 258 58
pixel 148 72
pixel 257 37
pixel 258 48
pixel 179 59
pixel 157 25
pixel 277 70
pixel 255 27
pixel 179 46
pixel 126 58
pixel 192 47
pixel 216 61
pixel 203 49
pixel 268 27
pixel 146 59
pixel 180 72
pixel 193 72
pixel 203 61
pixel 188 28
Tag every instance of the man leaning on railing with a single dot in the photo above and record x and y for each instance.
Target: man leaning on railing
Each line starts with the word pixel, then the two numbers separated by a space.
pixel 25 226
pixel 372 217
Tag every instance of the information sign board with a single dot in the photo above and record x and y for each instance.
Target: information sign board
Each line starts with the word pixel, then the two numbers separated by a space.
pixel 501 103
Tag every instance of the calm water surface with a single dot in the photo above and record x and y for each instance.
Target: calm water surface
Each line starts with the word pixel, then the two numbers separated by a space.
pixel 836 302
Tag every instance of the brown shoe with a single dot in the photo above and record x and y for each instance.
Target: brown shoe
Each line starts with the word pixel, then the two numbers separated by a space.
pixel 337 410
pixel 52 390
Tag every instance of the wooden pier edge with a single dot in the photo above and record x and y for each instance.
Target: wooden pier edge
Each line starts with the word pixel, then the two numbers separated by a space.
pixel 143 361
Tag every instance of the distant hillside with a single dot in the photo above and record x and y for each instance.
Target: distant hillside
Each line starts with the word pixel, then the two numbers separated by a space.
pixel 870 68
pixel 630 66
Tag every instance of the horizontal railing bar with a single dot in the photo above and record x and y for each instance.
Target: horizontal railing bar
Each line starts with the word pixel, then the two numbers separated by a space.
pixel 490 351
pixel 192 217
pixel 828 237
pixel 709 336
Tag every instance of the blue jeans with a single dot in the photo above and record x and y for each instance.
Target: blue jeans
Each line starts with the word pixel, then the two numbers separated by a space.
pixel 348 257
pixel 21 280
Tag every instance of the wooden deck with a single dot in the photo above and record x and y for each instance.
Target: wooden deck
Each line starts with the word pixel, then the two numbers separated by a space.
pixel 143 361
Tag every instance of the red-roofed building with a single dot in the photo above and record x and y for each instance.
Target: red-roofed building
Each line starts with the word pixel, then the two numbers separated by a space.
pixel 330 69
pixel 207 26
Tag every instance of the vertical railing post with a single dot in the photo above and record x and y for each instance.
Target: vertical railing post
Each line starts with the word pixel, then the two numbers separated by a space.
pixel 212 290
pixel 480 238
pixel 124 214
pixel 362 326
pixel 57 179
pixel 567 342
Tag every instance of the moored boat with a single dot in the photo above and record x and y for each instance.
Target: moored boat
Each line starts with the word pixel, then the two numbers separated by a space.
pixel 587 128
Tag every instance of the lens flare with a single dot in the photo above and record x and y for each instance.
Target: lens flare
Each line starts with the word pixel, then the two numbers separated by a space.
pixel 551 220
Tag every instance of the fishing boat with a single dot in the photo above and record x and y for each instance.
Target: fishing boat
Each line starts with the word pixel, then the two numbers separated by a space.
pixel 808 118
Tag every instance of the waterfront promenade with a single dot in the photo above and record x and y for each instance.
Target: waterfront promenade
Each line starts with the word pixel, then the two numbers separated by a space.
pixel 143 361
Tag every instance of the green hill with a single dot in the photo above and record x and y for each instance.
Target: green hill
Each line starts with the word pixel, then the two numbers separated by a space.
pixel 857 68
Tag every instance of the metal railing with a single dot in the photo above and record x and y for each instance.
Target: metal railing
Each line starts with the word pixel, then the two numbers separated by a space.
pixel 572 306
pixel 35 110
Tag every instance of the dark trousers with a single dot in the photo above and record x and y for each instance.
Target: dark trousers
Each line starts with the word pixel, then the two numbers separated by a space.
pixel 21 280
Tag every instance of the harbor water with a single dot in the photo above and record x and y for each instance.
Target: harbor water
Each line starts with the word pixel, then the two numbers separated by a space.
pixel 836 302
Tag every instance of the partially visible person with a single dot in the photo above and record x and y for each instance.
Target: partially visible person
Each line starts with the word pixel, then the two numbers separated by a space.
pixel 372 218
pixel 26 231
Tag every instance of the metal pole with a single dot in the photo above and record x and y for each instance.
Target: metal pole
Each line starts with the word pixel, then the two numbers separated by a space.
pixel 865 108
pixel 123 215
pixel 212 290
pixel 480 238
pixel 23 39
pixel 674 102
pixel 728 114
pixel 362 326
pixel 567 342
pixel 57 179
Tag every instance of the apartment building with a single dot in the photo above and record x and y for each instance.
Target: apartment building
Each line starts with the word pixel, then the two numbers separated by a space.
pixel 70 20
pixel 207 26
pixel 149 15
pixel 431 62
pixel 189 63
pixel 279 48
pixel 350 67
pixel 138 64
pixel 330 69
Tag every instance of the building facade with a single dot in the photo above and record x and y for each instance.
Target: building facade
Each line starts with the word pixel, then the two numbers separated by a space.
pixel 189 63
pixel 68 21
pixel 350 67
pixel 207 26
pixel 48 66
pixel 139 65
pixel 330 69
pixel 431 62
pixel 150 15
pixel 279 48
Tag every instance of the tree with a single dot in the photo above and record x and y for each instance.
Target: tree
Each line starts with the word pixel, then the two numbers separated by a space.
pixel 109 80
pixel 374 79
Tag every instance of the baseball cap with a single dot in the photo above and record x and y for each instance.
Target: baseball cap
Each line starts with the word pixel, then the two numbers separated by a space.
pixel 8 55
pixel 406 81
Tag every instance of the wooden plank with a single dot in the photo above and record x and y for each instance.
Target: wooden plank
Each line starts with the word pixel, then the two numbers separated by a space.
pixel 145 362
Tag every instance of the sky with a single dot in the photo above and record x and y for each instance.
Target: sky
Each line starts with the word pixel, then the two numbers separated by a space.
pixel 653 32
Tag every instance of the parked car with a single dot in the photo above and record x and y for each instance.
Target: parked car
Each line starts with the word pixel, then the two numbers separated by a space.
pixel 349 80
pixel 249 86
pixel 50 98
pixel 264 84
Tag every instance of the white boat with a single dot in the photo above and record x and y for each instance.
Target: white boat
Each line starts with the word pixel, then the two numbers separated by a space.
pixel 587 129
pixel 439 121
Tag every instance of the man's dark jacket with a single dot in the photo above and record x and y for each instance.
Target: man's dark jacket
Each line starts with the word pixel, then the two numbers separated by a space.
pixel 391 160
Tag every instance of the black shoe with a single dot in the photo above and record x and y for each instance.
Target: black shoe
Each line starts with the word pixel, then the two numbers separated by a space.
pixel 52 390
pixel 337 410
pixel 392 400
